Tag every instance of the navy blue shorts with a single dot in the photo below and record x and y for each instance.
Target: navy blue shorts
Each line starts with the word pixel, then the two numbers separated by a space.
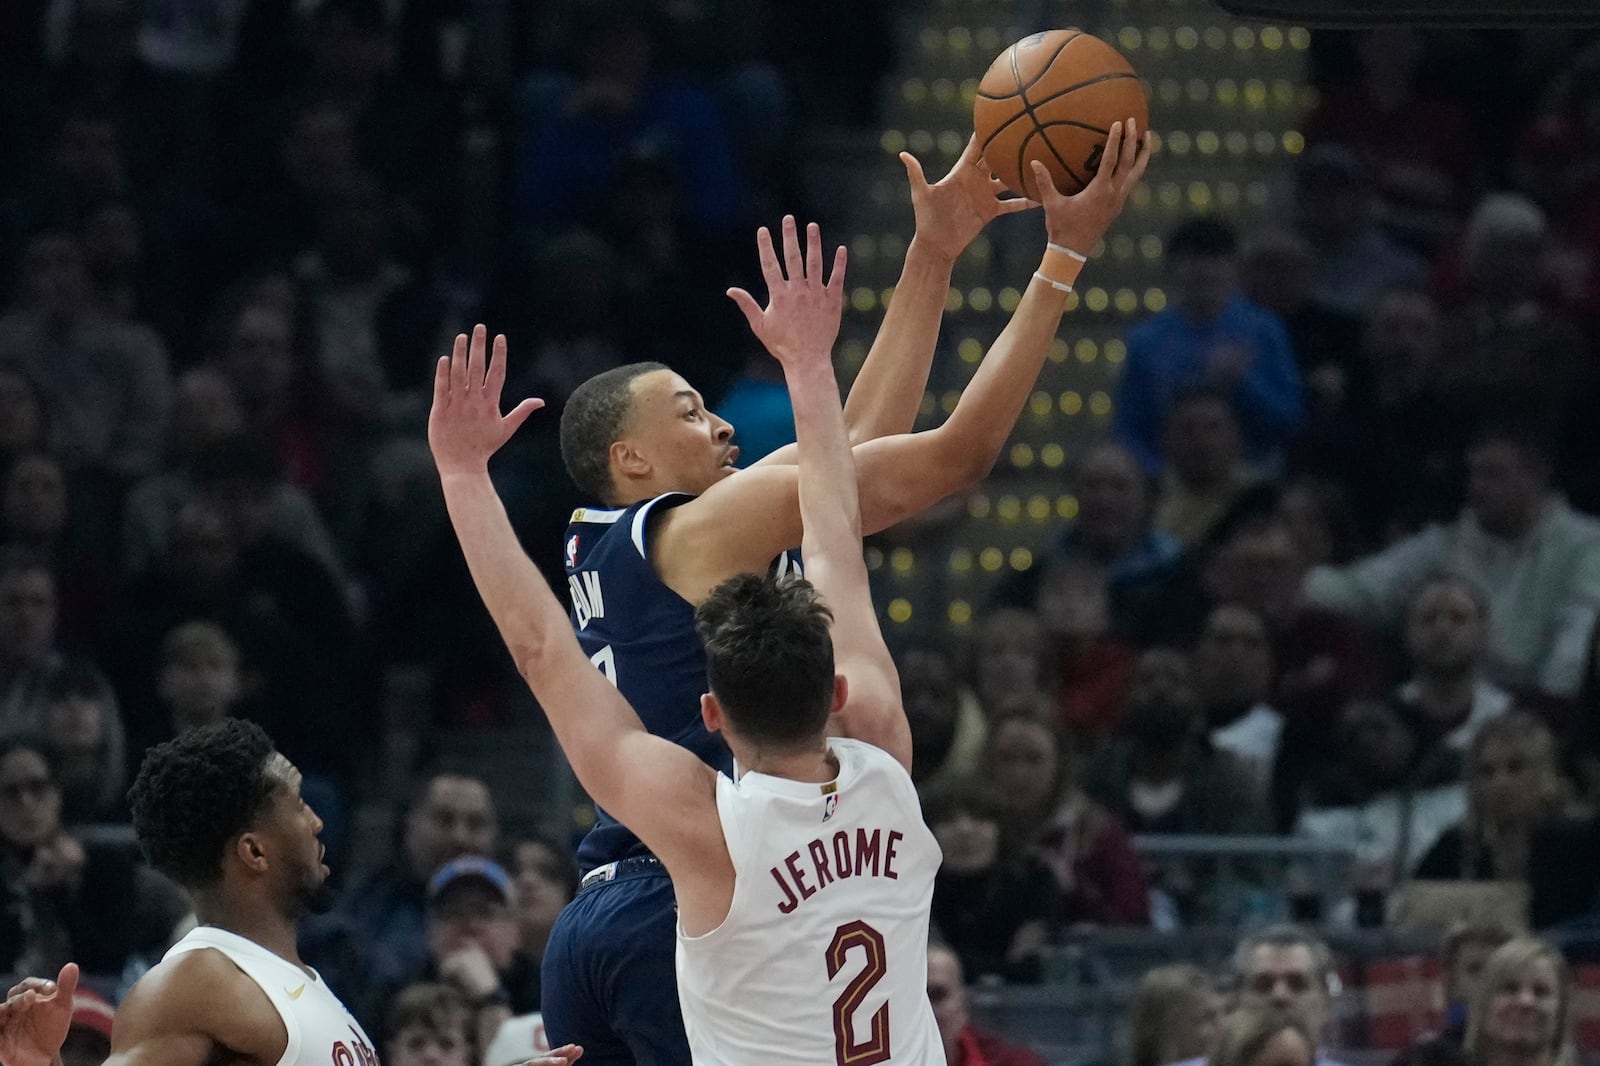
pixel 609 980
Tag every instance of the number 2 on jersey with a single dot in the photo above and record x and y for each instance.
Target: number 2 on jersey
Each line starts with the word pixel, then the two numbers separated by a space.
pixel 847 1050
pixel 606 660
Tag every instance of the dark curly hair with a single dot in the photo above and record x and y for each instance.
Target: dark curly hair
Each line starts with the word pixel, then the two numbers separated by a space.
pixel 197 792
pixel 592 421
pixel 769 656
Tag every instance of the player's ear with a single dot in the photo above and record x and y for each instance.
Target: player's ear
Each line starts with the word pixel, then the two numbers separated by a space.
pixel 627 460
pixel 711 712
pixel 841 693
pixel 248 850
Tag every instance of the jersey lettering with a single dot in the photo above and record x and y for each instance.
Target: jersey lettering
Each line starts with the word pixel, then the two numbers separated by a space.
pixel 871 853
pixel 847 1050
pixel 606 660
pixel 587 603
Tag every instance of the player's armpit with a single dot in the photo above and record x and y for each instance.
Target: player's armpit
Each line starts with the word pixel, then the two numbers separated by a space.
pixel 187 1009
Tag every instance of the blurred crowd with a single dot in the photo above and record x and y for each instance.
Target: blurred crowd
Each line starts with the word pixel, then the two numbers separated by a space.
pixel 1333 576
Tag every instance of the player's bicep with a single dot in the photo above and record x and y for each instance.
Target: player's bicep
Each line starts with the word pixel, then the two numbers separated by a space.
pixel 171 1049
pixel 667 797
pixel 737 526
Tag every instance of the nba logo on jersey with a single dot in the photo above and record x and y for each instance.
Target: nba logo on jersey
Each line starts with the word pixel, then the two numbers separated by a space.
pixel 830 805
pixel 572 550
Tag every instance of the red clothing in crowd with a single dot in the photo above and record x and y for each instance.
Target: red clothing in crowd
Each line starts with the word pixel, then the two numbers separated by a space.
pixel 979 1048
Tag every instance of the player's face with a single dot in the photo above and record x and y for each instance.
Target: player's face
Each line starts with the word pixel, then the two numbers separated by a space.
pixel 689 449
pixel 295 827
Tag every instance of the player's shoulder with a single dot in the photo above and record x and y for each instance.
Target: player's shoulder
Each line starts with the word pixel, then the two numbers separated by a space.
pixel 199 993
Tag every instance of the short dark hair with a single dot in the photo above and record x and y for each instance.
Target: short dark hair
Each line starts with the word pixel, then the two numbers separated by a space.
pixel 1202 238
pixel 592 421
pixel 769 656
pixel 431 1006
pixel 197 792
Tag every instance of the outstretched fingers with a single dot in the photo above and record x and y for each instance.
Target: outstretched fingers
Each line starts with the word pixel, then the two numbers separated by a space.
pixel 835 286
pixel 814 254
pixel 771 273
pixel 458 365
pixel 1130 147
pixel 495 379
pixel 751 308
pixel 914 173
pixel 792 262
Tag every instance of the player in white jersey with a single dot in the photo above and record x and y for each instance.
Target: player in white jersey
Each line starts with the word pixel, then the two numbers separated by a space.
pixel 804 887
pixel 219 811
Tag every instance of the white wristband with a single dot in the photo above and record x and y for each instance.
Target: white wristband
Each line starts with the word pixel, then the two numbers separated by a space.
pixel 1053 282
pixel 1067 251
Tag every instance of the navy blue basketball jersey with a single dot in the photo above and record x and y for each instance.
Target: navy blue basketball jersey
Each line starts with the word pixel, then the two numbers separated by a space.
pixel 640 634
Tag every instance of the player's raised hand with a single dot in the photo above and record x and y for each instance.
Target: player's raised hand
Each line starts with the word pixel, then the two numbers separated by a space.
pixel 801 319
pixel 1077 222
pixel 35 1017
pixel 465 426
pixel 953 210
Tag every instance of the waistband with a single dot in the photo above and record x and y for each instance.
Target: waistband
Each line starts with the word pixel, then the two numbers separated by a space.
pixel 633 866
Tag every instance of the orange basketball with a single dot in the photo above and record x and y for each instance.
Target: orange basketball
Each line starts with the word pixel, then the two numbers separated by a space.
pixel 1053 97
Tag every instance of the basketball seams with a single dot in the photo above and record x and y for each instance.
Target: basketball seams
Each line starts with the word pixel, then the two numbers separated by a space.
pixel 1038 127
pixel 1100 80
pixel 1022 90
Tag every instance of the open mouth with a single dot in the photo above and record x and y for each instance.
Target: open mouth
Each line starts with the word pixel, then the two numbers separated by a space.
pixel 730 461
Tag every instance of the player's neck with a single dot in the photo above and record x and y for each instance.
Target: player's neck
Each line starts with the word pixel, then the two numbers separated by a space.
pixel 817 764
pixel 256 921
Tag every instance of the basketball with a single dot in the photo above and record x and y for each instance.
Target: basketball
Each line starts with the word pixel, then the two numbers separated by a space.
pixel 1053 97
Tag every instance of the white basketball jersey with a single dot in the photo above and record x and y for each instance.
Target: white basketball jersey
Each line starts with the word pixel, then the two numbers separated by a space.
pixel 321 1031
pixel 823 957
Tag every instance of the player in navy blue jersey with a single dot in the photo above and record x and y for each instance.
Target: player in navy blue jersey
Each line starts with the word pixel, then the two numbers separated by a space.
pixel 678 518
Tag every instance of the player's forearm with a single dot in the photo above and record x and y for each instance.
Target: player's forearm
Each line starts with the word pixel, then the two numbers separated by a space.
pixel 830 509
pixel 887 392
pixel 991 403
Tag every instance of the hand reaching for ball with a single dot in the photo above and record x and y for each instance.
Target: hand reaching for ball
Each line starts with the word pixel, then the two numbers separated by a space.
pixel 1078 222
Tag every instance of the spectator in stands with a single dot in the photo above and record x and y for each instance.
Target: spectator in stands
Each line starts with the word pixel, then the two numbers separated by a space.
pixel 1263 1036
pixel 1162 775
pixel 1232 665
pixel 1521 1012
pixel 430 1024
pixel 1355 260
pixel 964 1043
pixel 1467 948
pixel 622 99
pixel 1204 470
pixel 1176 1015
pixel 106 384
pixel 1536 560
pixel 1319 519
pixel 37 511
pixel 1284 968
pixel 1384 798
pixel 29 657
pixel 1395 444
pixel 1276 267
pixel 1094 663
pixel 1446 633
pixel 1209 336
pixel 1505 352
pixel 199 680
pixel 22 423
pixel 64 899
pixel 991 899
pixel 207 421
pixel 546 880
pixel 87 744
pixel 947 732
pixel 1112 533
pixel 450 815
pixel 473 942
pixel 1009 661
pixel 1516 826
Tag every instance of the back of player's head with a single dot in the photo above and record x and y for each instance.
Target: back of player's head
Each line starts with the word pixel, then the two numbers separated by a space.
pixel 769 657
pixel 594 417
pixel 197 792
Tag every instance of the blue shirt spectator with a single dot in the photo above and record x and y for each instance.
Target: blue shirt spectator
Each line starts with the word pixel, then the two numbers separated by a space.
pixel 1209 337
